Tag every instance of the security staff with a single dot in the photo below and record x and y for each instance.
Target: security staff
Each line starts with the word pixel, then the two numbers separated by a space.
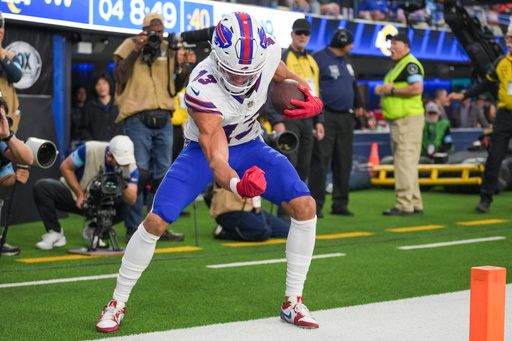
pixel 403 109
pixel 148 75
pixel 339 92
pixel 303 64
pixel 500 75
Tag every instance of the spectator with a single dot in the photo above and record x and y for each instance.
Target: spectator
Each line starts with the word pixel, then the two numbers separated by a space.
pixel 78 99
pixel 442 102
pixel 403 109
pixel 328 7
pixel 13 153
pixel 369 121
pixel 147 80
pixel 493 21
pixel 498 76
pixel 243 219
pixel 98 121
pixel 78 169
pixel 300 6
pixel 468 115
pixel 436 132
pixel 373 10
pixel 10 73
pixel 487 107
pixel 339 92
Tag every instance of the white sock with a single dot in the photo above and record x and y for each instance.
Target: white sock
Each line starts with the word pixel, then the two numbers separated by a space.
pixel 137 256
pixel 299 250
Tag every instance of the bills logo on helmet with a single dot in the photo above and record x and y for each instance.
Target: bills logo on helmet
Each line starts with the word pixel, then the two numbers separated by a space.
pixel 264 40
pixel 223 36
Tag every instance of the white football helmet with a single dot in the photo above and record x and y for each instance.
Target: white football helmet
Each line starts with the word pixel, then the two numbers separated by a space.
pixel 239 48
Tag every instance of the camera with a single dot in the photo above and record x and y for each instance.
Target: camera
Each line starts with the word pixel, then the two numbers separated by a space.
pixel 99 207
pixel 151 50
pixel 190 38
pixel 286 142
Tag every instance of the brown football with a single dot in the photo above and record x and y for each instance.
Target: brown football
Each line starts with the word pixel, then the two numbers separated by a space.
pixel 281 94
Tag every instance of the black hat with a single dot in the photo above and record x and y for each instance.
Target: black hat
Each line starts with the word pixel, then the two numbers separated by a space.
pixel 301 25
pixel 400 36
pixel 341 38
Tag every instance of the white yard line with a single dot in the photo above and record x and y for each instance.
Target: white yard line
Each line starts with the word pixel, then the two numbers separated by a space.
pixel 442 317
pixel 93 278
pixel 455 242
pixel 55 281
pixel 268 261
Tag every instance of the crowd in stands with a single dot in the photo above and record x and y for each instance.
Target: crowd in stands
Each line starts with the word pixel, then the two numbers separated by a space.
pixel 382 10
pixel 92 117
pixel 476 113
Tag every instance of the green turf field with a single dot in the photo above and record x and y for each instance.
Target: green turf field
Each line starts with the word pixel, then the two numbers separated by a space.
pixel 177 290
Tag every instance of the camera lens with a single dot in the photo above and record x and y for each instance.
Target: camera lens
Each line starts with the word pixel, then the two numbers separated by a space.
pixel 46 155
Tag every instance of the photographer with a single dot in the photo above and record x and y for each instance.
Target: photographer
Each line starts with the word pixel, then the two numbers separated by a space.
pixel 148 75
pixel 10 73
pixel 12 151
pixel 242 219
pixel 78 169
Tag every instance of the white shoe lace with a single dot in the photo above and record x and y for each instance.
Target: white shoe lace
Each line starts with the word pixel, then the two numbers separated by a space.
pixel 301 308
pixel 110 312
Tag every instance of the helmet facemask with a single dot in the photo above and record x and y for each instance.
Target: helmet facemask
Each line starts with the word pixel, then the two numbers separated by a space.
pixel 236 82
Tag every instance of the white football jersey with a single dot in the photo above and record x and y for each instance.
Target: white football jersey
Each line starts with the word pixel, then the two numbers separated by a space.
pixel 205 94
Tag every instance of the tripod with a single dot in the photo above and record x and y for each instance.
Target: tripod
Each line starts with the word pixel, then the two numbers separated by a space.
pixel 104 230
pixel 6 226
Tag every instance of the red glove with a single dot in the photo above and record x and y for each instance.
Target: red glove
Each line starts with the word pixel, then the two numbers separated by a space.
pixel 252 184
pixel 310 108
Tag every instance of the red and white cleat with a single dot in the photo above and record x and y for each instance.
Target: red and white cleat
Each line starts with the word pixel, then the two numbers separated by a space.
pixel 295 312
pixel 111 317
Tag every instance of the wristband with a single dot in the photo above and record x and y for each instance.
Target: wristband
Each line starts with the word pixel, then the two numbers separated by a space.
pixel 7 138
pixel 392 92
pixel 232 185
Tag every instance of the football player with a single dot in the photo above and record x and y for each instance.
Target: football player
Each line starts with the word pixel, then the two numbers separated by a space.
pixel 223 97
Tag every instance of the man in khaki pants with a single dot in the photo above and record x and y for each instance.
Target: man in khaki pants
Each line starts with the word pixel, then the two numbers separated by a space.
pixel 403 109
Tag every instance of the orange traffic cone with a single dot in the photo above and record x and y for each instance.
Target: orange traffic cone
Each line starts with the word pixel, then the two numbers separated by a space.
pixel 374 159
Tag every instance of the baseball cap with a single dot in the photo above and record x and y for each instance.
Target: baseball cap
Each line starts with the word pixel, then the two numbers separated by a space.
pixel 432 107
pixel 301 25
pixel 121 148
pixel 341 38
pixel 400 36
pixel 150 17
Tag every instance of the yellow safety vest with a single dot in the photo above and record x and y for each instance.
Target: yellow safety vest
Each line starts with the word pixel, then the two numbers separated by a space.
pixel 180 115
pixel 502 74
pixel 395 107
pixel 305 67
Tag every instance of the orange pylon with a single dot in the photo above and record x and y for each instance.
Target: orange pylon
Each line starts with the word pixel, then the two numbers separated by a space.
pixel 374 159
pixel 487 303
